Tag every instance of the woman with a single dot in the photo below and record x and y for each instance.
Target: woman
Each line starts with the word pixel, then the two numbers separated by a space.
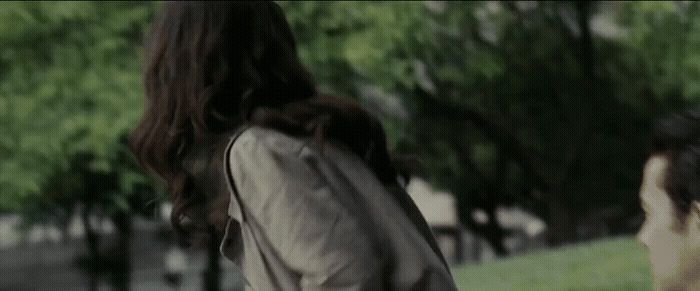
pixel 670 198
pixel 298 186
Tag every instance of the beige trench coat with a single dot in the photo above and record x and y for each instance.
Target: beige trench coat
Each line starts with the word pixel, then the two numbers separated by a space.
pixel 303 220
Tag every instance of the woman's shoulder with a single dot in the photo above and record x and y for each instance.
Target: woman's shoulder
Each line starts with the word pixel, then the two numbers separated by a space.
pixel 256 138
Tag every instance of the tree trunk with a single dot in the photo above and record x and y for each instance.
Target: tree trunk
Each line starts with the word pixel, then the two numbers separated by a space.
pixel 562 219
pixel 562 226
pixel 92 241
pixel 492 232
pixel 122 252
pixel 495 234
pixel 212 275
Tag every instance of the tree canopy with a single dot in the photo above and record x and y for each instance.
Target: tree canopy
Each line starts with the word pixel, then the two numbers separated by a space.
pixel 69 92
pixel 545 105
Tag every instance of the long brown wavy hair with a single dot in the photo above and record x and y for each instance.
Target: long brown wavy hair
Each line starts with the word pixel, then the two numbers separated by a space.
pixel 210 65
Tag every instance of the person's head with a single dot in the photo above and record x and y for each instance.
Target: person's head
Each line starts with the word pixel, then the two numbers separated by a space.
pixel 670 197
pixel 208 66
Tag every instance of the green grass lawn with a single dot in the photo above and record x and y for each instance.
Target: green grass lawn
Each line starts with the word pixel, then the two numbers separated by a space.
pixel 614 264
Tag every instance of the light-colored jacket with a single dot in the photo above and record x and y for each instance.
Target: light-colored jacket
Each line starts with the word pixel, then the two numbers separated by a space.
pixel 301 219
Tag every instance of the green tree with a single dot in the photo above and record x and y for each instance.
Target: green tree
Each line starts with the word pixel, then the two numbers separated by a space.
pixel 69 93
pixel 545 105
pixel 536 104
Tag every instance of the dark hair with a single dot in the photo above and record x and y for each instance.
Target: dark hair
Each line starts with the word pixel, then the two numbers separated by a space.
pixel 678 139
pixel 210 66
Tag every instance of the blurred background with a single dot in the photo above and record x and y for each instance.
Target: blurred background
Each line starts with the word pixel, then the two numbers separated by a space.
pixel 531 120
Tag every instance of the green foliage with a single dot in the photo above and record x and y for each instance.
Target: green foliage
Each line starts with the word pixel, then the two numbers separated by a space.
pixel 69 89
pixel 507 99
pixel 663 40
pixel 541 104
pixel 617 264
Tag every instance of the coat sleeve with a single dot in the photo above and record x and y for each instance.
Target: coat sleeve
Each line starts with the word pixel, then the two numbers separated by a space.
pixel 300 216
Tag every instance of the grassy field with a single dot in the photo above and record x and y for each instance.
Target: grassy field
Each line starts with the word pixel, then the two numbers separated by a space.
pixel 615 264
